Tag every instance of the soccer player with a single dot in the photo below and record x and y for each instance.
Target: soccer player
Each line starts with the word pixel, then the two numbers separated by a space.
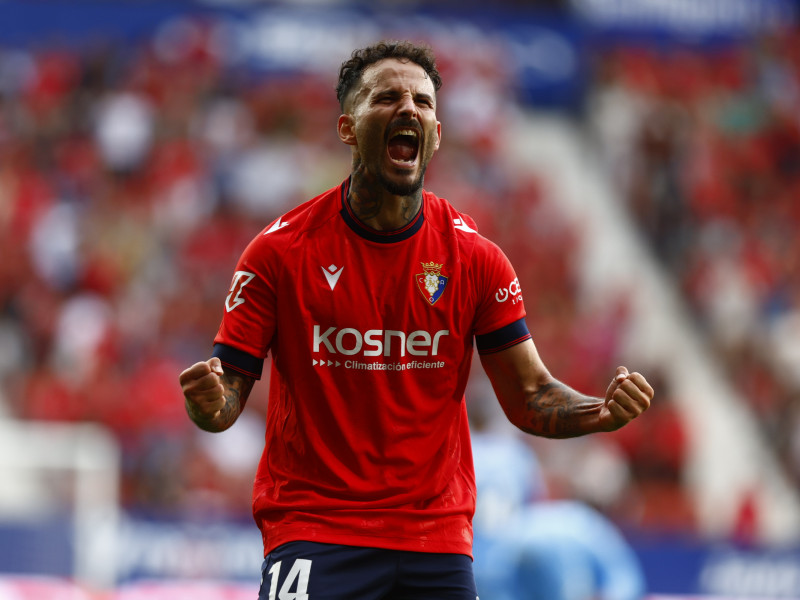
pixel 370 298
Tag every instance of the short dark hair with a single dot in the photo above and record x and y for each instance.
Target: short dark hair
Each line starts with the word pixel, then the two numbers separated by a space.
pixel 351 70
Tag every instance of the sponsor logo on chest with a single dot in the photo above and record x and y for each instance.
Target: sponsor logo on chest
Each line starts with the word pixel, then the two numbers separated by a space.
pixel 377 342
pixel 376 349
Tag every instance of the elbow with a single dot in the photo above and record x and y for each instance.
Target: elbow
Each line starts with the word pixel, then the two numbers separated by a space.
pixel 520 416
pixel 552 411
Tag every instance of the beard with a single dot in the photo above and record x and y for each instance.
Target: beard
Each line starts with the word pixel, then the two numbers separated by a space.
pixel 413 187
pixel 375 178
pixel 403 189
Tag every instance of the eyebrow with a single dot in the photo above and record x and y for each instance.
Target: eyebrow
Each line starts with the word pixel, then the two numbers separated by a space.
pixel 378 93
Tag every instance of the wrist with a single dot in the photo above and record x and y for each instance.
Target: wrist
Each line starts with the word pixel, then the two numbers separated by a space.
pixel 204 420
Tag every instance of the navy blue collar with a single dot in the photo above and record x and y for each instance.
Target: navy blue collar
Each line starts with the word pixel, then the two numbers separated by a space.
pixel 373 235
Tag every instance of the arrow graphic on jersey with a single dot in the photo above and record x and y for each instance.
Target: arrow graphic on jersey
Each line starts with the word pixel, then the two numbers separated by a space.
pixel 279 224
pixel 332 274
pixel 460 224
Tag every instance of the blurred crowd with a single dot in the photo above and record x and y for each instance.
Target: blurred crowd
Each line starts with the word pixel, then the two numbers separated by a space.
pixel 132 176
pixel 705 146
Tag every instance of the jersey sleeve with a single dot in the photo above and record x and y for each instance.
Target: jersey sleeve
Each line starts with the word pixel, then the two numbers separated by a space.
pixel 248 320
pixel 500 315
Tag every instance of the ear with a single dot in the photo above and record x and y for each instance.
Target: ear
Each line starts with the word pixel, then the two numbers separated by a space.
pixel 438 135
pixel 346 129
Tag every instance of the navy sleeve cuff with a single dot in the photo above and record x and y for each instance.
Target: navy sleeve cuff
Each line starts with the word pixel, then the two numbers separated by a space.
pixel 239 361
pixel 505 337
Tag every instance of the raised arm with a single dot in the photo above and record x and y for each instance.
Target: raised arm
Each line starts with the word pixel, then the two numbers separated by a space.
pixel 214 397
pixel 537 403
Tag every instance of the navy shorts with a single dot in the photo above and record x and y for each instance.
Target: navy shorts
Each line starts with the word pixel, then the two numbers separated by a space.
pixel 313 571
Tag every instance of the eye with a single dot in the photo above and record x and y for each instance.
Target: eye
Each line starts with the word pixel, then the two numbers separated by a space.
pixel 385 98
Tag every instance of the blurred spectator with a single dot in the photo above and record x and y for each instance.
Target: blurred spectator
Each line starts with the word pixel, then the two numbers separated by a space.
pixel 529 547
pixel 657 452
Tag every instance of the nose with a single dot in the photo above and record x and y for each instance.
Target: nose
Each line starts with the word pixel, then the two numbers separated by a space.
pixel 407 106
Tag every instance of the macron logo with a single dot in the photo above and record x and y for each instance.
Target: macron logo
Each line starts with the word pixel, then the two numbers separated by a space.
pixel 332 274
pixel 279 224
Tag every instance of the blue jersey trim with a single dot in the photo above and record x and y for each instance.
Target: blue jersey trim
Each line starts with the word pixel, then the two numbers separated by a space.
pixel 373 235
pixel 239 361
pixel 505 337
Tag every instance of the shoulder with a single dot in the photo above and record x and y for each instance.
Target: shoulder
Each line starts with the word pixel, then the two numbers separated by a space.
pixel 451 222
pixel 283 232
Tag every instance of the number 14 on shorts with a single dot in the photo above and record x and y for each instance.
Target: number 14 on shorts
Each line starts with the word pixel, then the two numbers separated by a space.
pixel 297 579
pixel 295 585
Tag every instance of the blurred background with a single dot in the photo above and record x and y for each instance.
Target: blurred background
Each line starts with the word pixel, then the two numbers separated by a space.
pixel 638 160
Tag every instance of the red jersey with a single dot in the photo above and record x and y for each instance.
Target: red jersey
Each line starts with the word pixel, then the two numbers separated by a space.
pixel 371 334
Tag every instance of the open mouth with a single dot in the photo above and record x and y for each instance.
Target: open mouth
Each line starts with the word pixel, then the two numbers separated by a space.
pixel 403 146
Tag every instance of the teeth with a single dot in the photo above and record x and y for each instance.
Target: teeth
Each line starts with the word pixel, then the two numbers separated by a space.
pixel 409 132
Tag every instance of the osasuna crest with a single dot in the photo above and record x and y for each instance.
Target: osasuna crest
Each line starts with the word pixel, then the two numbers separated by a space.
pixel 431 282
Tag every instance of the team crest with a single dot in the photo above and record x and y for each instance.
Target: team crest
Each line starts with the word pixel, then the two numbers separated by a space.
pixel 431 282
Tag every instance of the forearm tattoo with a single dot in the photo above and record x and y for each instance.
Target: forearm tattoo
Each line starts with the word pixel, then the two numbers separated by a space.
pixel 237 390
pixel 558 411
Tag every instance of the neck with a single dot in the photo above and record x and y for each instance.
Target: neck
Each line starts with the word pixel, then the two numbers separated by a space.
pixel 379 209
